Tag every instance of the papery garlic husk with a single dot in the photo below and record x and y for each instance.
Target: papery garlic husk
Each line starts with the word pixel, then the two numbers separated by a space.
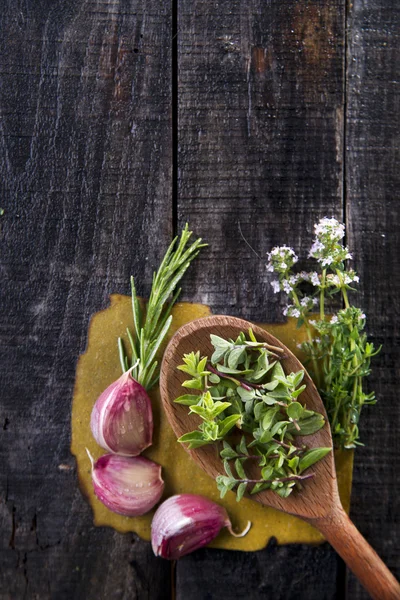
pixel 122 417
pixel 186 522
pixel 127 485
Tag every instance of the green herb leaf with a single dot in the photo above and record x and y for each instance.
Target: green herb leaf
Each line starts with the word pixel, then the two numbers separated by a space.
pixel 284 491
pixel 277 428
pixel 296 393
pixel 218 408
pixel 239 468
pixel 240 491
pixel 259 487
pixel 267 472
pixel 293 463
pixel 297 379
pixel 228 371
pixel 200 411
pixel 265 437
pixel 242 446
pixel 259 410
pixel 236 356
pixel 295 411
pixel 269 418
pixel 193 384
pixel 311 457
pixel 269 400
pixel 219 342
pixel 245 395
pixel 228 469
pixel 308 426
pixel 187 399
pixel 273 428
pixel 272 385
pixel 226 425
pixel 228 453
pixel 194 439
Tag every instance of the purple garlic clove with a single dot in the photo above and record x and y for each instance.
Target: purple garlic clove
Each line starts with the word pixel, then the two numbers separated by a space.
pixel 186 522
pixel 122 417
pixel 129 486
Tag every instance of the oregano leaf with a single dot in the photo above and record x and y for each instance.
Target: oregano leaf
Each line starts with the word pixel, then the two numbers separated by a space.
pixel 311 457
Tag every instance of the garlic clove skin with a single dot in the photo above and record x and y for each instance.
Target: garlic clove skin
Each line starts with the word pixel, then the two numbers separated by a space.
pixel 122 417
pixel 186 522
pixel 127 485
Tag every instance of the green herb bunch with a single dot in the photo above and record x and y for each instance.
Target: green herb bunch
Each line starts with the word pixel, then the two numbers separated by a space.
pixel 243 384
pixel 337 345
pixel 151 327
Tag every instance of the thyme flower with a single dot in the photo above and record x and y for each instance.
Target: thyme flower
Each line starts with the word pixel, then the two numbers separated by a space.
pixel 340 356
pixel 327 248
pixel 281 259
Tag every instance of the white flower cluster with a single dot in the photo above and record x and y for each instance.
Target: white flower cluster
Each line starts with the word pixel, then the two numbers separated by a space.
pixel 281 258
pixel 329 227
pixel 312 277
pixel 343 316
pixel 346 278
pixel 291 311
pixel 308 302
pixel 327 248
pixel 288 284
pixel 276 286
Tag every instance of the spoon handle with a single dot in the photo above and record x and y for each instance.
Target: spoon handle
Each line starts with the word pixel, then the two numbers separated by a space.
pixel 373 574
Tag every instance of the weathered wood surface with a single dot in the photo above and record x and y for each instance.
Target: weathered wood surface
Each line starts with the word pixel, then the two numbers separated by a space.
pixel 261 106
pixel 261 94
pixel 268 134
pixel 220 575
pixel 85 165
pixel 373 216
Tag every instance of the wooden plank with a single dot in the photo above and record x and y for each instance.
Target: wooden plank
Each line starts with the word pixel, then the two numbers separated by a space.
pixel 260 132
pixel 372 184
pixel 260 138
pixel 279 572
pixel 86 166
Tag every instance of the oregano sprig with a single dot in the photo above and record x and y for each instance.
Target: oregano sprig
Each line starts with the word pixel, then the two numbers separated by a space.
pixel 244 387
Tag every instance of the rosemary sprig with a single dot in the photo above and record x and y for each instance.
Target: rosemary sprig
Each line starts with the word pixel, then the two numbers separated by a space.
pixel 151 327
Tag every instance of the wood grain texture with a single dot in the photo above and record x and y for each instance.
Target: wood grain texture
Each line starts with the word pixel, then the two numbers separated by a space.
pixel 85 172
pixel 372 573
pixel 260 91
pixel 260 144
pixel 373 214
pixel 254 575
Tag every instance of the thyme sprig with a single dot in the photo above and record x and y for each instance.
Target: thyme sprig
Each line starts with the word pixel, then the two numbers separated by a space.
pixel 151 326
pixel 337 345
pixel 243 387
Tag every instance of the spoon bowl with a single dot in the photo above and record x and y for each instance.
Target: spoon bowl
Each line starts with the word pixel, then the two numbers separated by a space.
pixel 318 501
pixel 319 493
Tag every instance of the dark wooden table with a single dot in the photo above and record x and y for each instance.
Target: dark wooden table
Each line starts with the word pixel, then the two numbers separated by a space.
pixel 120 120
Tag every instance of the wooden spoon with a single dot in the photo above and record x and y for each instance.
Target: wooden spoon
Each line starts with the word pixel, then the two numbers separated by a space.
pixel 318 502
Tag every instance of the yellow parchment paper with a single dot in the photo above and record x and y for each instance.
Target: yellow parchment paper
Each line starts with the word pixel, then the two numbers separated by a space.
pixel 99 366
